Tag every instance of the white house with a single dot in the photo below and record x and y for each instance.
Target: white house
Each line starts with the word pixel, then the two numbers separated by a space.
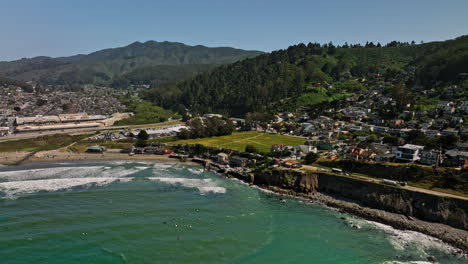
pixel 409 152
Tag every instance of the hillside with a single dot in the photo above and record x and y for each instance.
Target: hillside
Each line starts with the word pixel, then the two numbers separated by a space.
pixel 104 66
pixel 263 82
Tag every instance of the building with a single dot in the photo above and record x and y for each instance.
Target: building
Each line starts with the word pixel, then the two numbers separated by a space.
pixel 455 158
pixel 237 161
pixel 4 131
pixel 431 158
pixel 303 150
pixel 409 153
pixel 279 148
pixel 222 157
pixel 388 157
pixel 292 164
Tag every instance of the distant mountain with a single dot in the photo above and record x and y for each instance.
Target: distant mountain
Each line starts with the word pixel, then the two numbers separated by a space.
pixel 315 72
pixel 104 66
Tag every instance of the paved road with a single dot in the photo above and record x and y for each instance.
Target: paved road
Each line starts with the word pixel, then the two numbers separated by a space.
pixel 83 130
pixel 368 179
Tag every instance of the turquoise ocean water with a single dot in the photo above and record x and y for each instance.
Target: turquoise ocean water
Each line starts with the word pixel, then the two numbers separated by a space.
pixel 146 212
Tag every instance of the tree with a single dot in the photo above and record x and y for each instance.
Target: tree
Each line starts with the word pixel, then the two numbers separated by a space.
pixel 311 158
pixel 143 135
pixel 251 149
pixel 140 143
pixel 448 140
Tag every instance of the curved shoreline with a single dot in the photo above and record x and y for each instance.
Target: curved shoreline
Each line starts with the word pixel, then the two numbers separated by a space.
pixel 457 238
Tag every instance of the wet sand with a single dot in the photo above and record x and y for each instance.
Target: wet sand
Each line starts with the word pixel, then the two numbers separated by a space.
pixel 10 158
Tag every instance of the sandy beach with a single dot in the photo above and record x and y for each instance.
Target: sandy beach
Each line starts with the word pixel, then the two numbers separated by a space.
pixel 11 158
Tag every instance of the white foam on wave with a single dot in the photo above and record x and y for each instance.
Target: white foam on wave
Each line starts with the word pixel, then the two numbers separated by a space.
pixel 67 173
pixel 162 166
pixel 12 189
pixel 203 185
pixel 49 173
pixel 402 240
pixel 196 171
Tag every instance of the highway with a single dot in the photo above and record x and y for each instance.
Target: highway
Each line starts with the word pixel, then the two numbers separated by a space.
pixel 87 130
pixel 369 179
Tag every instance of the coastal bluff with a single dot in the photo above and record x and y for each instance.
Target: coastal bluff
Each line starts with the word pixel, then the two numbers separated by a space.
pixel 424 206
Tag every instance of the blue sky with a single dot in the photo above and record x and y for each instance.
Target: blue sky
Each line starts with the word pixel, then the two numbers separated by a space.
pixel 69 27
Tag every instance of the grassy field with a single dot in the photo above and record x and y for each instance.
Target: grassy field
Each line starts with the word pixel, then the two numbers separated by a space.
pixel 48 142
pixel 238 141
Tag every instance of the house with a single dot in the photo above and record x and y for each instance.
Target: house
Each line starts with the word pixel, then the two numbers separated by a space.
pixel 212 115
pixel 408 114
pixel 396 123
pixel 291 164
pixel 439 123
pixel 324 145
pixel 380 148
pixel 389 157
pixel 447 132
pixel 278 148
pixel 455 158
pixel 456 120
pixel 304 149
pixel 412 124
pixel 431 133
pixel 463 146
pixel 380 129
pixel 409 152
pixel 237 161
pixel 4 131
pixel 431 157
pixel 222 157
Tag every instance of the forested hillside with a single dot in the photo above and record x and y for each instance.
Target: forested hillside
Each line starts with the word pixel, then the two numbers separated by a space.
pixel 260 83
pixel 109 65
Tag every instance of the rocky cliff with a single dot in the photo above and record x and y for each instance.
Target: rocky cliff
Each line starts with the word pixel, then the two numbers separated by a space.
pixel 446 210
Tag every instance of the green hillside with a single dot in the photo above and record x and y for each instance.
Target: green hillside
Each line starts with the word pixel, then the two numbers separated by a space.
pixel 263 82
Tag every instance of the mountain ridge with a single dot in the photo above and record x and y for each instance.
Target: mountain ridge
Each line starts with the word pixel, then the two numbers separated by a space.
pixel 101 66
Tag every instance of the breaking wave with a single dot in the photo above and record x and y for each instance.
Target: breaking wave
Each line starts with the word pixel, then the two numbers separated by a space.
pixel 12 189
pixel 203 185
pixel 14 183
pixel 422 245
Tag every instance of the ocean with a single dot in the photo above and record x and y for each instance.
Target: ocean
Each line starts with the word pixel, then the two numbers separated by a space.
pixel 149 212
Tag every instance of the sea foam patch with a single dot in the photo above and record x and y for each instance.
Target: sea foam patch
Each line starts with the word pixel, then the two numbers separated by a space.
pixel 12 189
pixel 203 185
pixel 50 173
pixel 67 173
pixel 403 240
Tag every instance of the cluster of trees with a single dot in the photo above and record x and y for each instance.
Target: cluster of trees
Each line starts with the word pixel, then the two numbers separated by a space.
pixel 206 127
pixel 146 113
pixel 159 74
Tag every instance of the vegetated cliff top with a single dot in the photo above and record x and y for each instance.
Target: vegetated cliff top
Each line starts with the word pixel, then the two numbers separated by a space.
pixel 255 84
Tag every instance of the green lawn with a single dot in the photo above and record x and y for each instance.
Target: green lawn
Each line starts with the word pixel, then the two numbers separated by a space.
pixel 238 141
pixel 316 98
pixel 48 142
